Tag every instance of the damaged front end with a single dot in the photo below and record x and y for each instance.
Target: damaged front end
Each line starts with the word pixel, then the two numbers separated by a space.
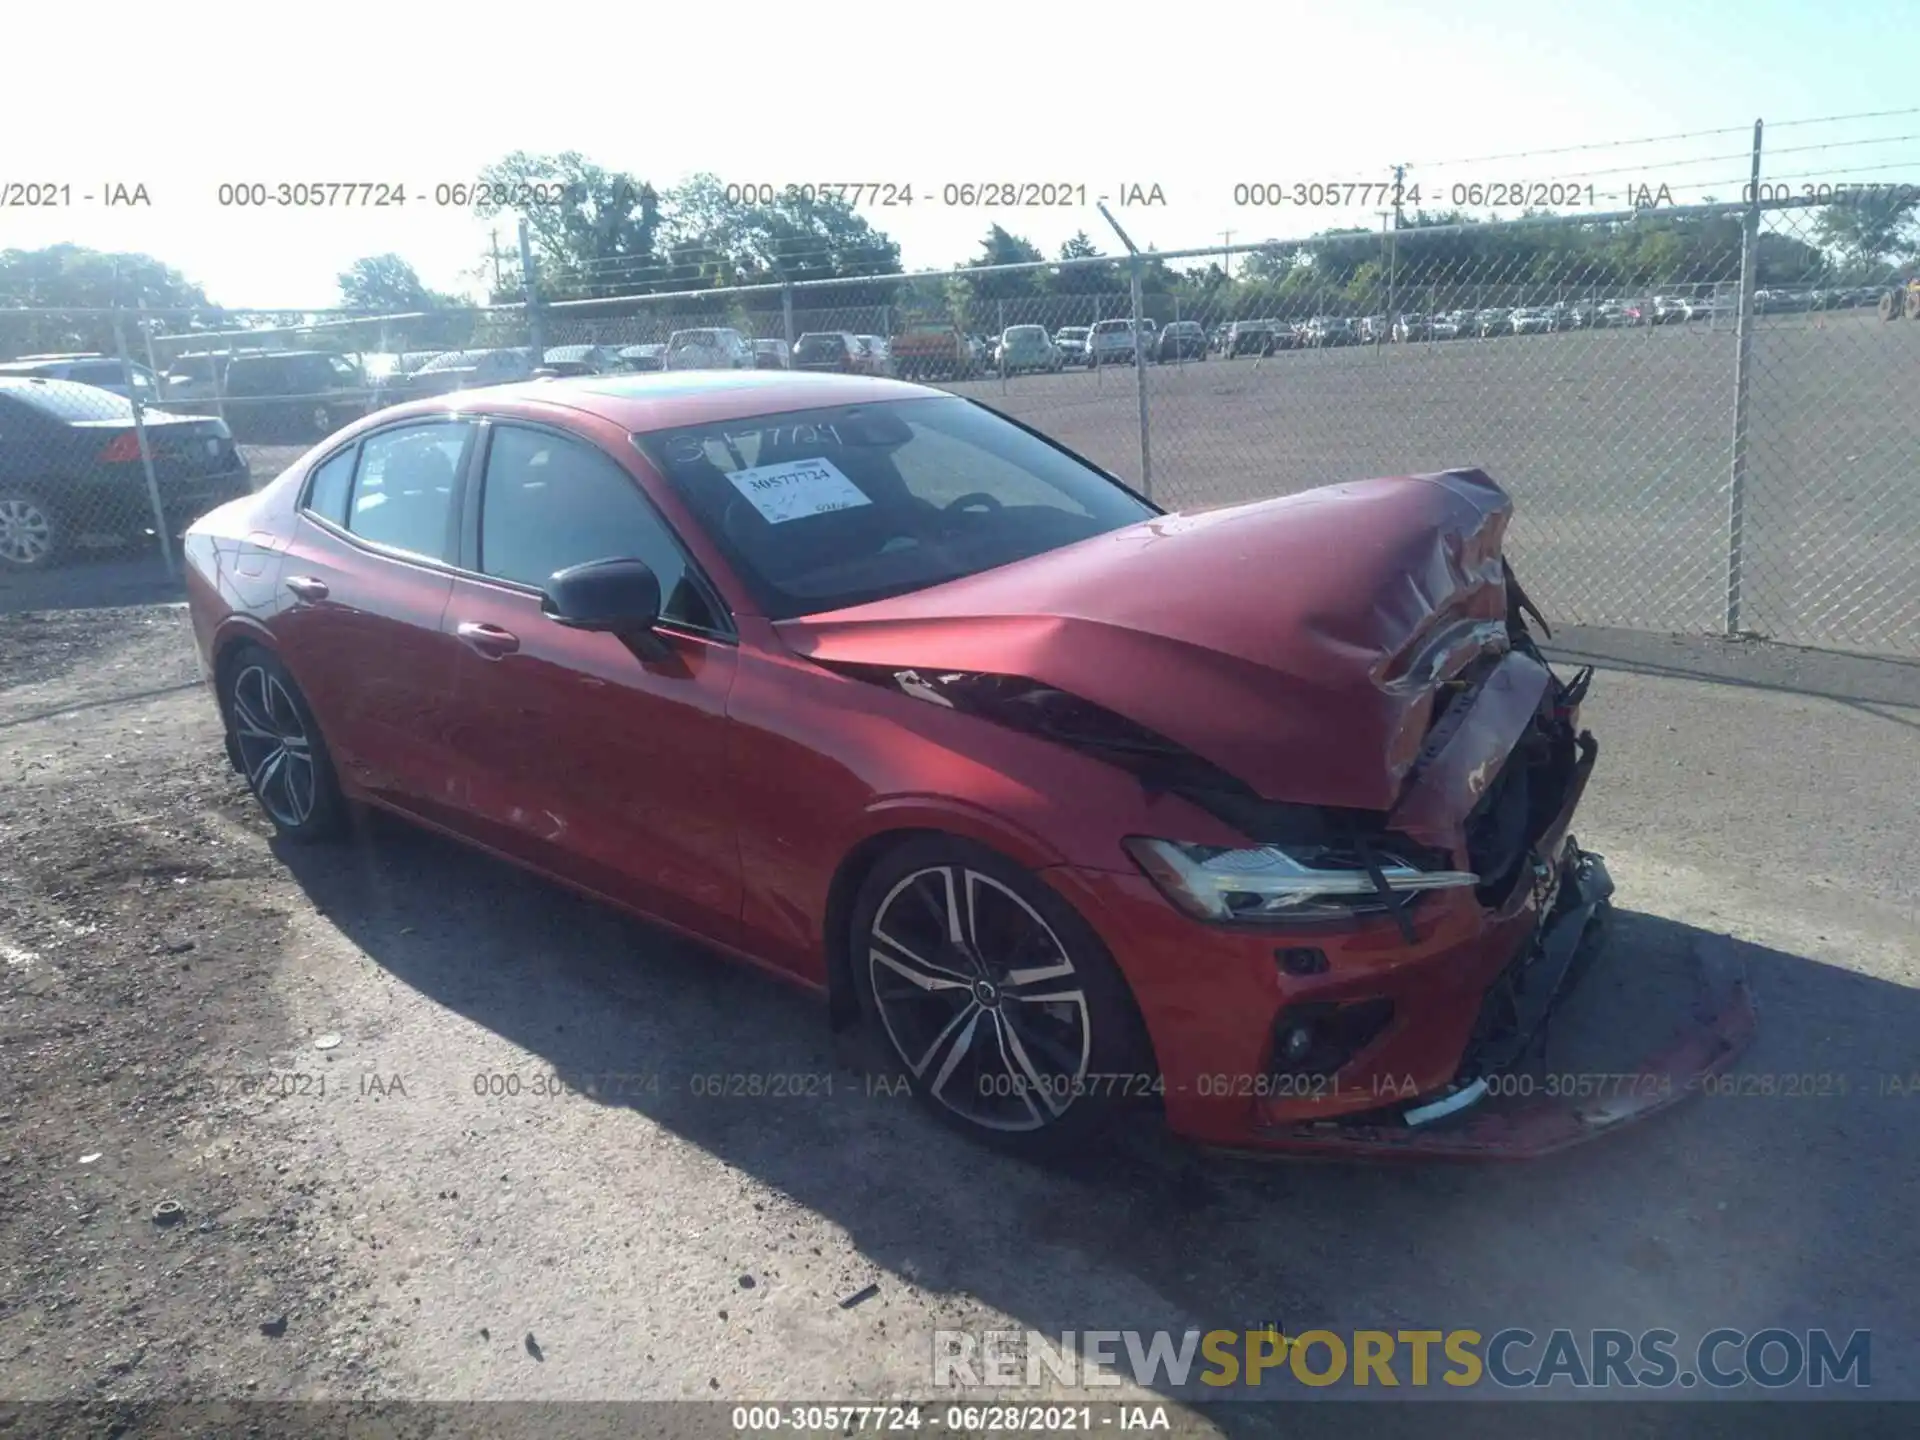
pixel 1401 759
pixel 1517 843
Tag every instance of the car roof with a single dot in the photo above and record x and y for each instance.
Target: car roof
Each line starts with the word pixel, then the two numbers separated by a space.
pixel 672 398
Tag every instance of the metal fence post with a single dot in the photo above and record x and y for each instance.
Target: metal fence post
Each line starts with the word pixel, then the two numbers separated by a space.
pixel 160 525
pixel 1742 385
pixel 999 349
pixel 786 314
pixel 1140 375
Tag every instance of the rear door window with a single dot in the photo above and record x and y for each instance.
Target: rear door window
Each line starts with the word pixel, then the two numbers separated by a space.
pixel 329 485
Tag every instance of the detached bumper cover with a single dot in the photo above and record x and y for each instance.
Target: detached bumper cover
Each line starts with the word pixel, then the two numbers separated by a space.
pixel 1709 1037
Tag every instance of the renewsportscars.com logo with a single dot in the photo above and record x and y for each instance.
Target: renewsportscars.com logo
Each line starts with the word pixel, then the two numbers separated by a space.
pixel 1510 1359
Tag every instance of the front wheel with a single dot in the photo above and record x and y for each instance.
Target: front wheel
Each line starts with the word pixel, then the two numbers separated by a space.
pixel 274 742
pixel 31 535
pixel 1006 1014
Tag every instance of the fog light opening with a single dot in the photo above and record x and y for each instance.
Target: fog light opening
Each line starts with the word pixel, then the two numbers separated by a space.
pixel 1322 1038
pixel 1302 960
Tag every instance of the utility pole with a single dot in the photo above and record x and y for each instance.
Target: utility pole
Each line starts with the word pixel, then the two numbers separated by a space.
pixel 493 237
pixel 1226 252
pixel 530 295
pixel 1399 187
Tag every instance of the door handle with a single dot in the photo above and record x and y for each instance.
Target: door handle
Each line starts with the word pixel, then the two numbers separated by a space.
pixel 489 640
pixel 305 587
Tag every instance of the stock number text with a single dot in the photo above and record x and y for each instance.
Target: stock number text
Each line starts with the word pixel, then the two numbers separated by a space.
pixel 1324 193
pixel 882 193
pixel 310 194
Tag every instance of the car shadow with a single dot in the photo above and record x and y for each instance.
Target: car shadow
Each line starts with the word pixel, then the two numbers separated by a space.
pixel 1775 1203
pixel 124 577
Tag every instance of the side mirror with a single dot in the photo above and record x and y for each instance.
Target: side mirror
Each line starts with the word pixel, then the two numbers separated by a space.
pixel 616 597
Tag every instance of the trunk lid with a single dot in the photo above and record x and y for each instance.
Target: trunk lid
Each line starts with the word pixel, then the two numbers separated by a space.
pixel 1297 643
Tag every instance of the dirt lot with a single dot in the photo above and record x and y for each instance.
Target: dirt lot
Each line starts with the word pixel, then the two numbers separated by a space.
pixel 361 1220
pixel 1615 444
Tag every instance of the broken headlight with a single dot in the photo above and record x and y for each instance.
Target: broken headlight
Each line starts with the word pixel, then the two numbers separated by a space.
pixel 1269 882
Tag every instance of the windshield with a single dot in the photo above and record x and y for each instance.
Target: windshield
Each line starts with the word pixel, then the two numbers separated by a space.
pixel 821 509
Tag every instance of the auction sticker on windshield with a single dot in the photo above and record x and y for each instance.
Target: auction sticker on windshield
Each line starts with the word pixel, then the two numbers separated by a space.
pixel 796 489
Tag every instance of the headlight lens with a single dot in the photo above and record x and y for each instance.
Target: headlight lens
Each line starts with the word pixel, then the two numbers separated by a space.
pixel 1266 882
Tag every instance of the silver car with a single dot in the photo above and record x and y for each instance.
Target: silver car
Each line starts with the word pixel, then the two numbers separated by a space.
pixel 717 347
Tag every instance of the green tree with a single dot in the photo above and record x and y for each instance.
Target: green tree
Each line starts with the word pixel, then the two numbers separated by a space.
pixel 388 284
pixel 75 278
pixel 1870 231
pixel 797 237
pixel 1003 247
pixel 592 230
pixel 1079 247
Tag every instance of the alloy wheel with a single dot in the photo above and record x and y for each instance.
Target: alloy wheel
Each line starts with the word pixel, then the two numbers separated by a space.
pixel 980 998
pixel 26 531
pixel 275 750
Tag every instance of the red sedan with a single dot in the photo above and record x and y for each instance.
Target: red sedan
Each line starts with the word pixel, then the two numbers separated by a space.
pixel 1258 815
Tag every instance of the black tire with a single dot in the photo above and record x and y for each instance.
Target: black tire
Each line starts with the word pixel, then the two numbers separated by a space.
pixel 264 712
pixel 1913 305
pixel 33 537
pixel 1053 1081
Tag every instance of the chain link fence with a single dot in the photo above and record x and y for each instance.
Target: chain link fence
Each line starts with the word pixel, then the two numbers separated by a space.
pixel 1709 420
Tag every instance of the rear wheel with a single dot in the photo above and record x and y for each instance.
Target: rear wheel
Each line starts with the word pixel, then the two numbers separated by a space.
pixel 1004 1010
pixel 31 536
pixel 1913 304
pixel 277 746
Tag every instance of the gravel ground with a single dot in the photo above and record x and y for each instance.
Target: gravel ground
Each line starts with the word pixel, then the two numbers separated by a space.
pixel 361 1221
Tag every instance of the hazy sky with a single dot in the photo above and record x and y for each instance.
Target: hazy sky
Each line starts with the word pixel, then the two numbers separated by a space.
pixel 1200 100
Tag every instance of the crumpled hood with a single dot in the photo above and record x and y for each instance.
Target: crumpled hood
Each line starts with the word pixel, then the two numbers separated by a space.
pixel 1296 643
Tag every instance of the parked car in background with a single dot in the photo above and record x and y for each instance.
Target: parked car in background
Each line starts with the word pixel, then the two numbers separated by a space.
pixel 195 375
pixel 1111 342
pixel 467 370
pixel 72 476
pixel 388 375
pixel 771 355
pixel 830 350
pixel 1669 309
pixel 1372 329
pixel 1409 328
pixel 1250 337
pixel 103 372
pixel 642 358
pixel 1491 322
pixel 1324 331
pixel 873 356
pixel 1706 307
pixel 711 347
pixel 1529 320
pixel 580 360
pixel 1028 348
pixel 292 396
pixel 1071 342
pixel 934 350
pixel 1181 340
